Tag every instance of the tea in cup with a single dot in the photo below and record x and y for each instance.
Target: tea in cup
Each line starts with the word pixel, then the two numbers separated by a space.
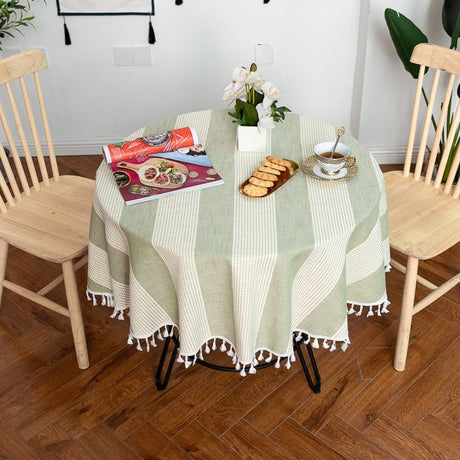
pixel 331 163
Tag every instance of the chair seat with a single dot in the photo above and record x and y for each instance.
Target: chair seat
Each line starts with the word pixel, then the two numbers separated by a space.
pixel 422 221
pixel 59 213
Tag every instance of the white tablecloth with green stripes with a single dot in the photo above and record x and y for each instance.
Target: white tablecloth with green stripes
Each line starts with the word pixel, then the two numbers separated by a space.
pixel 244 274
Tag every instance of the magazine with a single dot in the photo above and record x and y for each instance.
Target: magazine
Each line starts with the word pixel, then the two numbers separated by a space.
pixel 142 174
pixel 167 141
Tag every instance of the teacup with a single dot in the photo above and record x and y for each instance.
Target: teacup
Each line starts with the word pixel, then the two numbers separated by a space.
pixel 329 163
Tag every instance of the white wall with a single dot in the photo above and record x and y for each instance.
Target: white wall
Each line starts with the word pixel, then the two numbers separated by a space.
pixel 388 88
pixel 198 45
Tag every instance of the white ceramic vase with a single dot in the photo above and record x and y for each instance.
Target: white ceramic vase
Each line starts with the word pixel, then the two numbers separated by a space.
pixel 250 139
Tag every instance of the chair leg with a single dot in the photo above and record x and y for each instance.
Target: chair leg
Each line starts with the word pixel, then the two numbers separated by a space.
pixel 3 259
pixel 76 320
pixel 405 319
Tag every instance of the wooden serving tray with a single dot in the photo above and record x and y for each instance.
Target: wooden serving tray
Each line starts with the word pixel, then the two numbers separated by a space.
pixel 282 179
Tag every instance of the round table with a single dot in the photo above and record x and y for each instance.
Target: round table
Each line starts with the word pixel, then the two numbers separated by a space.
pixel 244 274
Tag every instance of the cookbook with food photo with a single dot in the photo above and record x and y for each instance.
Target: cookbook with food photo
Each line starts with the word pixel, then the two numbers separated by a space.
pixel 149 177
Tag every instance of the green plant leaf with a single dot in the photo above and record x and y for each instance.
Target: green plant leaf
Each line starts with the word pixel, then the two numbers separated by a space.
pixel 405 36
pixel 450 12
pixel 247 113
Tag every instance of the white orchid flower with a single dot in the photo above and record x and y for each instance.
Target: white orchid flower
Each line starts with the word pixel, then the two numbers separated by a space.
pixel 271 93
pixel 265 118
pixel 240 74
pixel 233 91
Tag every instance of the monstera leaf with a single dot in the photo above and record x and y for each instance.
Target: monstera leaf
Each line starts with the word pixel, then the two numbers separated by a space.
pixel 451 20
pixel 405 35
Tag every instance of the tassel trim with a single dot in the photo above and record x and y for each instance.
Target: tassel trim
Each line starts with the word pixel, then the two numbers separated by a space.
pixel 380 307
pixel 225 346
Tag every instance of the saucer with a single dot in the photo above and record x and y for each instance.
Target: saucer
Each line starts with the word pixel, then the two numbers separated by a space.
pixel 313 169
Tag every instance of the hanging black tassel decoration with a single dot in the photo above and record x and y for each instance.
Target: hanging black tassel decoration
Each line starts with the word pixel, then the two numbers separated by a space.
pixel 179 2
pixel 152 38
pixel 67 39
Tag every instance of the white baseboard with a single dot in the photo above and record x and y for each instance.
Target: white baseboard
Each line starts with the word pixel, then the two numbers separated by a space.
pixel 392 155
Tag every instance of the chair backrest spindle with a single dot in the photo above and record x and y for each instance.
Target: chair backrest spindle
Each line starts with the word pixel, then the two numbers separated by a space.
pixel 24 120
pixel 440 113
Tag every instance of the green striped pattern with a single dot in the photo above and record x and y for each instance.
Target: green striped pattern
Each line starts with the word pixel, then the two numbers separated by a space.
pixel 249 272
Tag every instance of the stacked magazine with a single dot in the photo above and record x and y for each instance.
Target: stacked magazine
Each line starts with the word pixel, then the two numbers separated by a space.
pixel 159 165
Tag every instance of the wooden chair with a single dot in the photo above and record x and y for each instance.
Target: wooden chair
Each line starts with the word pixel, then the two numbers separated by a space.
pixel 424 210
pixel 41 212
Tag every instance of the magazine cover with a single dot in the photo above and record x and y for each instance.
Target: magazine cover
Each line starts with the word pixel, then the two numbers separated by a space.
pixel 168 141
pixel 146 178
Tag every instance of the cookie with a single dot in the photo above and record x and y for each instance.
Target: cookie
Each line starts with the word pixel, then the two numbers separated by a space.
pixel 265 176
pixel 261 183
pixel 279 161
pixel 268 170
pixel 269 164
pixel 254 190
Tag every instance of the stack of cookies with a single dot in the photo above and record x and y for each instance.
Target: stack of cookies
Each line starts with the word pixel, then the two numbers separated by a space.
pixel 272 173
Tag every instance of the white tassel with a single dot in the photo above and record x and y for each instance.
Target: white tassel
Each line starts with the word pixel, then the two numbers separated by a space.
pixel 238 366
pixel 307 341
pixel 277 364
pixel 252 369
pixel 370 312
pixel 207 349
pixel 293 358
pixel 104 300
pixel 88 297
pixel 360 311
pixel 315 343
pixel 223 347
pixel 139 345
pixel 351 309
pixel 288 364
pixel 214 347
pixel 148 344
pixel 194 359
pixel 120 316
pixel 201 354
pixel 187 363
pixel 230 352
pixel 159 336
pixel 243 372
pixel 114 313
pixel 165 333
pixel 325 344
pixel 269 358
pixel 261 356
pixel 130 339
pixel 385 305
pixel 298 337
pixel 344 346
pixel 180 359
pixel 171 333
pixel 152 341
pixel 333 346
pixel 234 359
pixel 255 362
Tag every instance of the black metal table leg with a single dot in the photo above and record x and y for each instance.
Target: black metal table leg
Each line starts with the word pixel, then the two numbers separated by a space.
pixel 316 387
pixel 160 383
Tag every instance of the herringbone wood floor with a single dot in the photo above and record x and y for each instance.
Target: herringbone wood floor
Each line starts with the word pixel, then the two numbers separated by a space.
pixel 49 409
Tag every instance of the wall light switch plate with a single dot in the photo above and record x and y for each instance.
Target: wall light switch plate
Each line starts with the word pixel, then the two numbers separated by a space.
pixel 265 53
pixel 142 55
pixel 132 55
pixel 122 55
